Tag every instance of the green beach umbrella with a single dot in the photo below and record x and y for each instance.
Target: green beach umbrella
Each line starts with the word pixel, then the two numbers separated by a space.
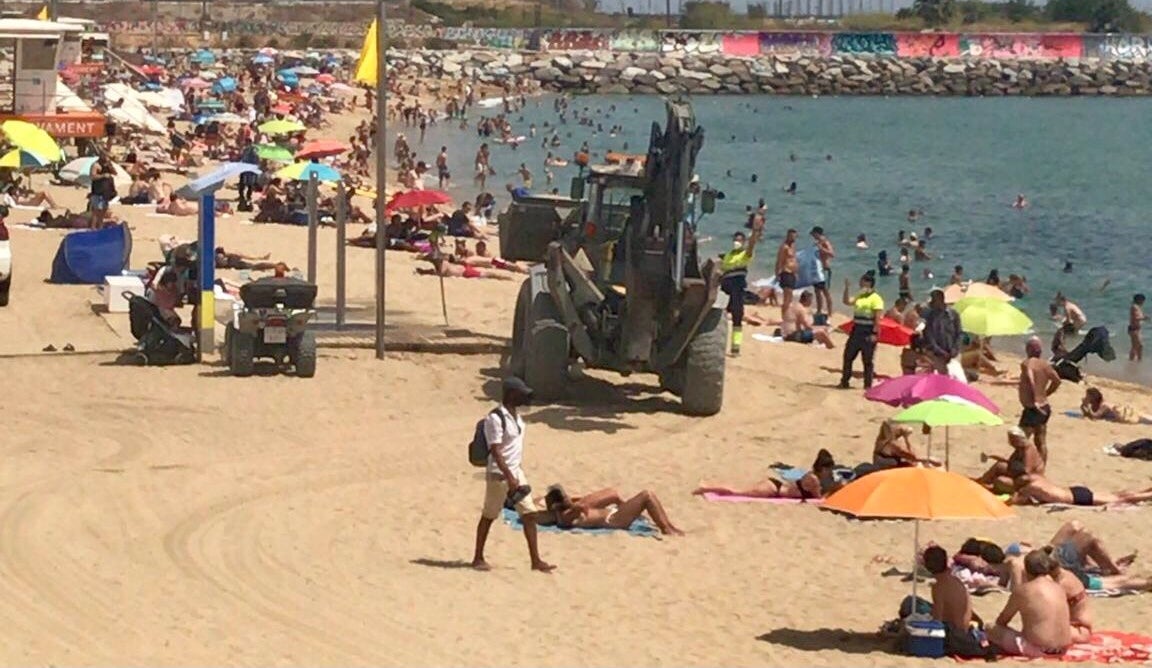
pixel 984 316
pixel 281 127
pixel 274 152
pixel 947 412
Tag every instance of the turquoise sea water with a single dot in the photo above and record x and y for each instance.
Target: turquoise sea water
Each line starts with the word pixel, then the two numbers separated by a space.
pixel 1082 163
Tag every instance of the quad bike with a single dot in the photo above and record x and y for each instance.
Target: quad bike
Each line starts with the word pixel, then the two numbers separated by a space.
pixel 273 323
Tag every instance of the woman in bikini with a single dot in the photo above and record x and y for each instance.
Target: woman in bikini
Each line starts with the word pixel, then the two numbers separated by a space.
pixel 1094 407
pixel 813 485
pixel 1035 489
pixel 174 207
pixel 893 448
pixel 606 509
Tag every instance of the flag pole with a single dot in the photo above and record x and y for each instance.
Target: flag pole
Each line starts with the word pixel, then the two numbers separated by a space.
pixel 381 171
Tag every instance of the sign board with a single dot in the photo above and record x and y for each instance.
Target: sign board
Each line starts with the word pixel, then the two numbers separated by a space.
pixel 78 124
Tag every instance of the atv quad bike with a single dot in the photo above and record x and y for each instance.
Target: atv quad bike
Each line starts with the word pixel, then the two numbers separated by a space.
pixel 619 284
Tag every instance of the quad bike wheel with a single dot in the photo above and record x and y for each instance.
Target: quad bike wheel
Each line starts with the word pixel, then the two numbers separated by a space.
pixel 302 354
pixel 242 358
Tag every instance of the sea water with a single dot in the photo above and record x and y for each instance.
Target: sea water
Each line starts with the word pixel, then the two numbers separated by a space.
pixel 860 164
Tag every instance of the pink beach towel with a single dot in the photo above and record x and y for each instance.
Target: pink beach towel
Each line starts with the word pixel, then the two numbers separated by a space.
pixel 728 498
pixel 1105 647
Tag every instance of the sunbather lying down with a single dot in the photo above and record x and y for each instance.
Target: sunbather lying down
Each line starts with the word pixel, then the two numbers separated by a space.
pixel 814 485
pixel 1035 489
pixel 440 267
pixel 604 509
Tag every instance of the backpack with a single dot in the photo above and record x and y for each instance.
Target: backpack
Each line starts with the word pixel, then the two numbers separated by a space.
pixel 478 448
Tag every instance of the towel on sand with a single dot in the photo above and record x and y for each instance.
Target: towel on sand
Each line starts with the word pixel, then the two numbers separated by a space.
pixel 726 498
pixel 1104 647
pixel 641 527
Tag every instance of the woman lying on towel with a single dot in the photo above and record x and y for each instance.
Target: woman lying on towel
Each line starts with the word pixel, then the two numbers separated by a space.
pixel 1035 489
pixel 1094 407
pixel 174 207
pixel 604 509
pixel 815 484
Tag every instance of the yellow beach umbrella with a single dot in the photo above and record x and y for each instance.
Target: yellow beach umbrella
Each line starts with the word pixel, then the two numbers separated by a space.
pixel 984 316
pixel 18 159
pixel 33 139
pixel 281 127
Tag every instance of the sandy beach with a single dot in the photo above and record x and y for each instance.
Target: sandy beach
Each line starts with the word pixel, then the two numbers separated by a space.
pixel 180 516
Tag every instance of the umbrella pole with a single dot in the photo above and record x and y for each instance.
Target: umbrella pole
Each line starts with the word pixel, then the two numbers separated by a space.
pixel 947 448
pixel 915 566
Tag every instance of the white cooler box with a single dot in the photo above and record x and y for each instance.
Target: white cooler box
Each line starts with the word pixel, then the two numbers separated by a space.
pixel 115 286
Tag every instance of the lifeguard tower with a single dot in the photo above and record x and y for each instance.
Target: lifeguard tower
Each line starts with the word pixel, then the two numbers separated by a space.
pixel 83 51
pixel 31 53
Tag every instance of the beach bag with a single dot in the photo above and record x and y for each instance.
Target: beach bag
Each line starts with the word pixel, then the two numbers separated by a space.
pixel 478 448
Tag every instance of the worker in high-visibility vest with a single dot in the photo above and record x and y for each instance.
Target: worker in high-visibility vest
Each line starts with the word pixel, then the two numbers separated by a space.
pixel 734 280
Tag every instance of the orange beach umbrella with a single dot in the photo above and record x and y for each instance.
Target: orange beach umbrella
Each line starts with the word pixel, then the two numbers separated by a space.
pixel 914 493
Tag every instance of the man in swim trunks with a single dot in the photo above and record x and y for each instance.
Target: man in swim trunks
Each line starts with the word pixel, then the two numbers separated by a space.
pixel 952 606
pixel 826 252
pixel 1038 380
pixel 799 327
pixel 1045 620
pixel 786 268
pixel 1136 320
pixel 1038 490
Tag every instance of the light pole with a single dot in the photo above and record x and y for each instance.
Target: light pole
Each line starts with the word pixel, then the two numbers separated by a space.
pixel 381 170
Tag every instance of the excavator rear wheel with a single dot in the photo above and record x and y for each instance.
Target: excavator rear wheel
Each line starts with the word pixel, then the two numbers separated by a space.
pixel 702 374
pixel 547 349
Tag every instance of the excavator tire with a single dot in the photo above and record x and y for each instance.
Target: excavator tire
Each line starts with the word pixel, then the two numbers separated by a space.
pixel 520 332
pixel 703 373
pixel 547 349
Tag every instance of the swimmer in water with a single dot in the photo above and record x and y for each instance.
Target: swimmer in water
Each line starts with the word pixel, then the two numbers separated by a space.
pixel 862 241
pixel 1067 266
pixel 913 215
pixel 791 189
pixel 755 178
pixel 1021 202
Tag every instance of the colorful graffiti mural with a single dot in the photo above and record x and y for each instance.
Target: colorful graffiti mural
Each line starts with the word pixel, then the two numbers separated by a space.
pixel 574 40
pixel 493 38
pixel 682 41
pixel 740 44
pixel 635 41
pixel 1118 47
pixel 1021 45
pixel 927 45
pixel 859 43
pixel 795 43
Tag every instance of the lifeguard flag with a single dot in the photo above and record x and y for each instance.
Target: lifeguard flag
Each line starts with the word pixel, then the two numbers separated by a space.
pixel 43 15
pixel 366 70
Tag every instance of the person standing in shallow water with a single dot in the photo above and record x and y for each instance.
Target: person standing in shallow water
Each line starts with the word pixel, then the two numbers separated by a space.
pixel 1136 320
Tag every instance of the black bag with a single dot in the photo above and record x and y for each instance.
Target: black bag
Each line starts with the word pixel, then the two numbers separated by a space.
pixel 1141 448
pixel 479 447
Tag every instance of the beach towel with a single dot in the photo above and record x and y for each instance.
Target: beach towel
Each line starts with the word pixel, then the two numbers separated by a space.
pixel 641 527
pixel 1104 647
pixel 1119 507
pixel 767 338
pixel 728 498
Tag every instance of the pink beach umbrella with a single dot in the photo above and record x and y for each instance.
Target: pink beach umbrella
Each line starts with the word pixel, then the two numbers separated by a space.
pixel 912 389
pixel 196 84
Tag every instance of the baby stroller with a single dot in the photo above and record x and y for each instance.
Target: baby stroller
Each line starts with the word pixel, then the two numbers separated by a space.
pixel 157 343
pixel 1067 363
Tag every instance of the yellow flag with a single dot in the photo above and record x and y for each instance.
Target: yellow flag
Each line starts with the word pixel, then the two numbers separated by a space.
pixel 43 15
pixel 366 70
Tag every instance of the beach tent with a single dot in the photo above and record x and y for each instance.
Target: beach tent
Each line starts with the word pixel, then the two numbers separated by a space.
pixel 224 85
pixel 88 256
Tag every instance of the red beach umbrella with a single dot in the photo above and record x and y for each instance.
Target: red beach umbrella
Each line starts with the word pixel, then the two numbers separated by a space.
pixel 321 148
pixel 413 198
pixel 891 332
pixel 325 78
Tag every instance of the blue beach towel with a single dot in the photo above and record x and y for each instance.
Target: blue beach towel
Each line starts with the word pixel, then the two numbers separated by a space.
pixel 641 527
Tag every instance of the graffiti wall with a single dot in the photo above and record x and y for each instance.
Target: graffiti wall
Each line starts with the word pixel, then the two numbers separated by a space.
pixel 740 44
pixel 925 45
pixel 635 40
pixel 1022 45
pixel 683 41
pixel 795 43
pixel 574 40
pixel 1118 47
pixel 860 43
pixel 493 38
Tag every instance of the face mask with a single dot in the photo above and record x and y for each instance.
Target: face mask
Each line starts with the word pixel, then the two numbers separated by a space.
pixel 737 245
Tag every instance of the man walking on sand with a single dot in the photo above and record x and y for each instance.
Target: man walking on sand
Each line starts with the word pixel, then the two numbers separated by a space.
pixel 506 483
pixel 1038 381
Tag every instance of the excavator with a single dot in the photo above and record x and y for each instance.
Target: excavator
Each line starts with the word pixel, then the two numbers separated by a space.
pixel 617 282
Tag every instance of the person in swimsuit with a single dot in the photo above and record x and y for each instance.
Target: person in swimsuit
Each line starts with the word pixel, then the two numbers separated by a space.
pixel 442 266
pixel 1038 381
pixel 893 448
pixel 1035 489
pixel 1136 320
pixel 786 268
pixel 1093 407
pixel 226 260
pixel 813 485
pixel 606 509
pixel 1025 459
pixel 1045 624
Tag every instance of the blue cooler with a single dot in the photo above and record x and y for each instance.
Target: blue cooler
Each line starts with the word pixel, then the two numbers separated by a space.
pixel 925 639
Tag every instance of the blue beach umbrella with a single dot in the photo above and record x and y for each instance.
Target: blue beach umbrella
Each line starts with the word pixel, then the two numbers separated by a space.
pixel 203 57
pixel 214 179
pixel 261 59
pixel 18 159
pixel 302 171
pixel 224 85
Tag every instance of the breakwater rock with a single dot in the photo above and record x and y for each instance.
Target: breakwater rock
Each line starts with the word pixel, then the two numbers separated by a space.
pixel 647 73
